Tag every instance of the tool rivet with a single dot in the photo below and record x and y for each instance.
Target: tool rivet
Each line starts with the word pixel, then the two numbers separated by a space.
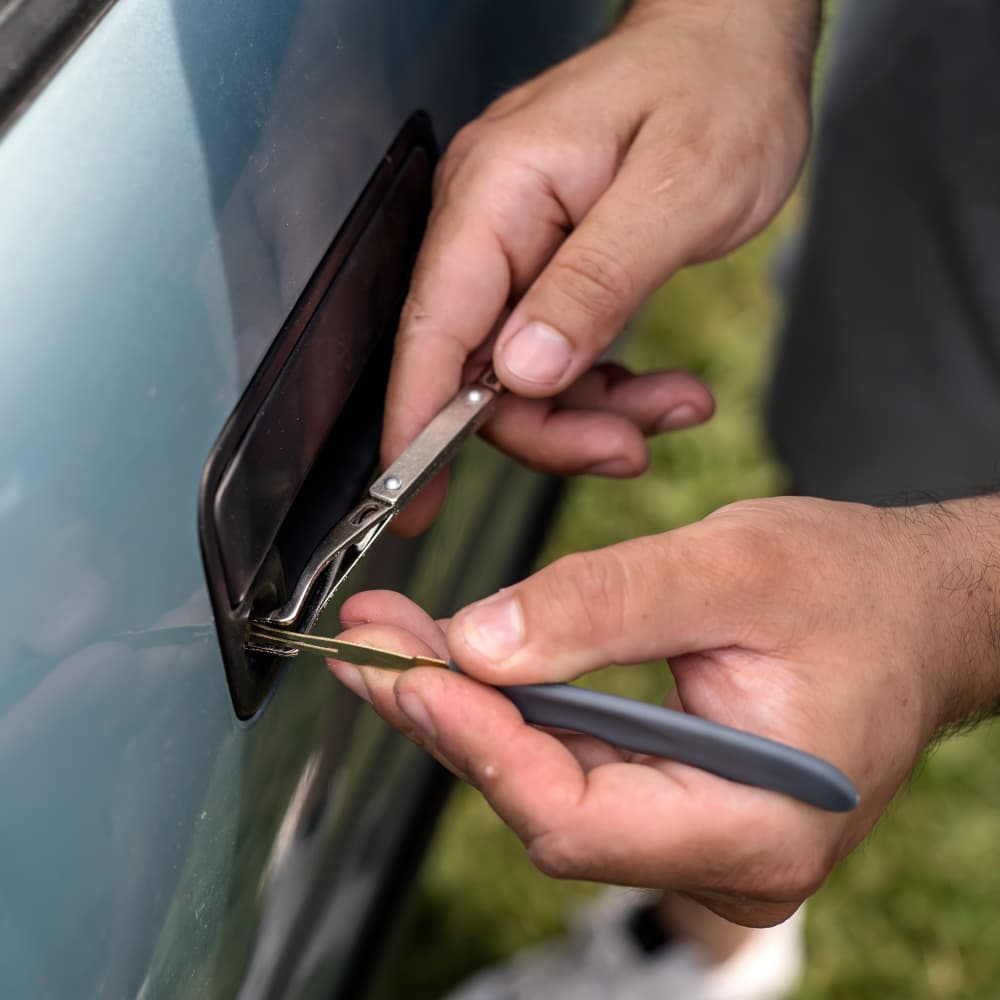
pixel 475 395
pixel 392 483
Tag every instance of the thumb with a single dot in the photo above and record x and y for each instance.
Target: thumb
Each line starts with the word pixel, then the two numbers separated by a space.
pixel 652 597
pixel 623 249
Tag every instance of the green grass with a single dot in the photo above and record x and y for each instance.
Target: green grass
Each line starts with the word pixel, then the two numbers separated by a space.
pixel 915 912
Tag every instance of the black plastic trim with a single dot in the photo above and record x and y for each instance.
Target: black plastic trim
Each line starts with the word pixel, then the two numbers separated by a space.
pixel 36 37
pixel 301 443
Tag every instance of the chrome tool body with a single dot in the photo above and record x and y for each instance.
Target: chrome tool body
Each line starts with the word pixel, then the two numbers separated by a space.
pixel 338 553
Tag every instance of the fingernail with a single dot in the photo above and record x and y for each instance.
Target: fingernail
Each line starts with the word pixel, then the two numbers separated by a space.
pixel 350 677
pixel 494 628
pixel 679 417
pixel 416 711
pixel 537 353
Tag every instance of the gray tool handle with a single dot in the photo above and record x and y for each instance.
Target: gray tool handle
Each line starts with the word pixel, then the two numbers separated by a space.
pixel 662 732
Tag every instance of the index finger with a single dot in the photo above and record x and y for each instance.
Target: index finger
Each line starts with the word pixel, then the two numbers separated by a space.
pixel 459 287
pixel 491 231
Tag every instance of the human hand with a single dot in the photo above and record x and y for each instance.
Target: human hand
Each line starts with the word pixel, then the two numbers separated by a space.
pixel 846 631
pixel 570 200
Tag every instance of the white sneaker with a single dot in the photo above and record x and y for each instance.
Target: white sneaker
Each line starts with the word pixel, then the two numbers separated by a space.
pixel 602 960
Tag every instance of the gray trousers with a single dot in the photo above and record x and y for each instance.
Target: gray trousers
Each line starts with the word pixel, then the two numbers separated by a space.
pixel 888 373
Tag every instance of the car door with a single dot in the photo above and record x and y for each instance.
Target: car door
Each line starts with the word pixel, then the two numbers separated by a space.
pixel 191 193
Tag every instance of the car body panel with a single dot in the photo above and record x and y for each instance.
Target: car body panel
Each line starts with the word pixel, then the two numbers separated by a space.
pixel 163 202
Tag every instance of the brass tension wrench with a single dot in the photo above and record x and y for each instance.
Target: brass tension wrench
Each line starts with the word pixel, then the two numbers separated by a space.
pixel 623 722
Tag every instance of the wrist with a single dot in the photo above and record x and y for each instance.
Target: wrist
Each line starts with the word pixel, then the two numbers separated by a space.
pixel 955 549
pixel 792 27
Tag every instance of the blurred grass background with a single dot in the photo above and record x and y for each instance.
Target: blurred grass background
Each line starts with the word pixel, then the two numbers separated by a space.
pixel 915 912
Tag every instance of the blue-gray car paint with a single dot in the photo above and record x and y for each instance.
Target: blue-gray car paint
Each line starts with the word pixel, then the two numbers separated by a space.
pixel 163 201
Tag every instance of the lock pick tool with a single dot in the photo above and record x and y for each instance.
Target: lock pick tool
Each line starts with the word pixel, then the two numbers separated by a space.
pixel 623 722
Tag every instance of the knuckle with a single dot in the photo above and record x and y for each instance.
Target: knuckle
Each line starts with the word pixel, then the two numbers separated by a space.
pixel 597 281
pixel 444 174
pixel 595 594
pixel 556 854
pixel 412 320
pixel 465 139
pixel 746 548
pixel 483 145
pixel 486 180
pixel 470 155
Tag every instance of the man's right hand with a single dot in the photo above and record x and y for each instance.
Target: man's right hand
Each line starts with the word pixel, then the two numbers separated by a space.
pixel 847 631
pixel 571 199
